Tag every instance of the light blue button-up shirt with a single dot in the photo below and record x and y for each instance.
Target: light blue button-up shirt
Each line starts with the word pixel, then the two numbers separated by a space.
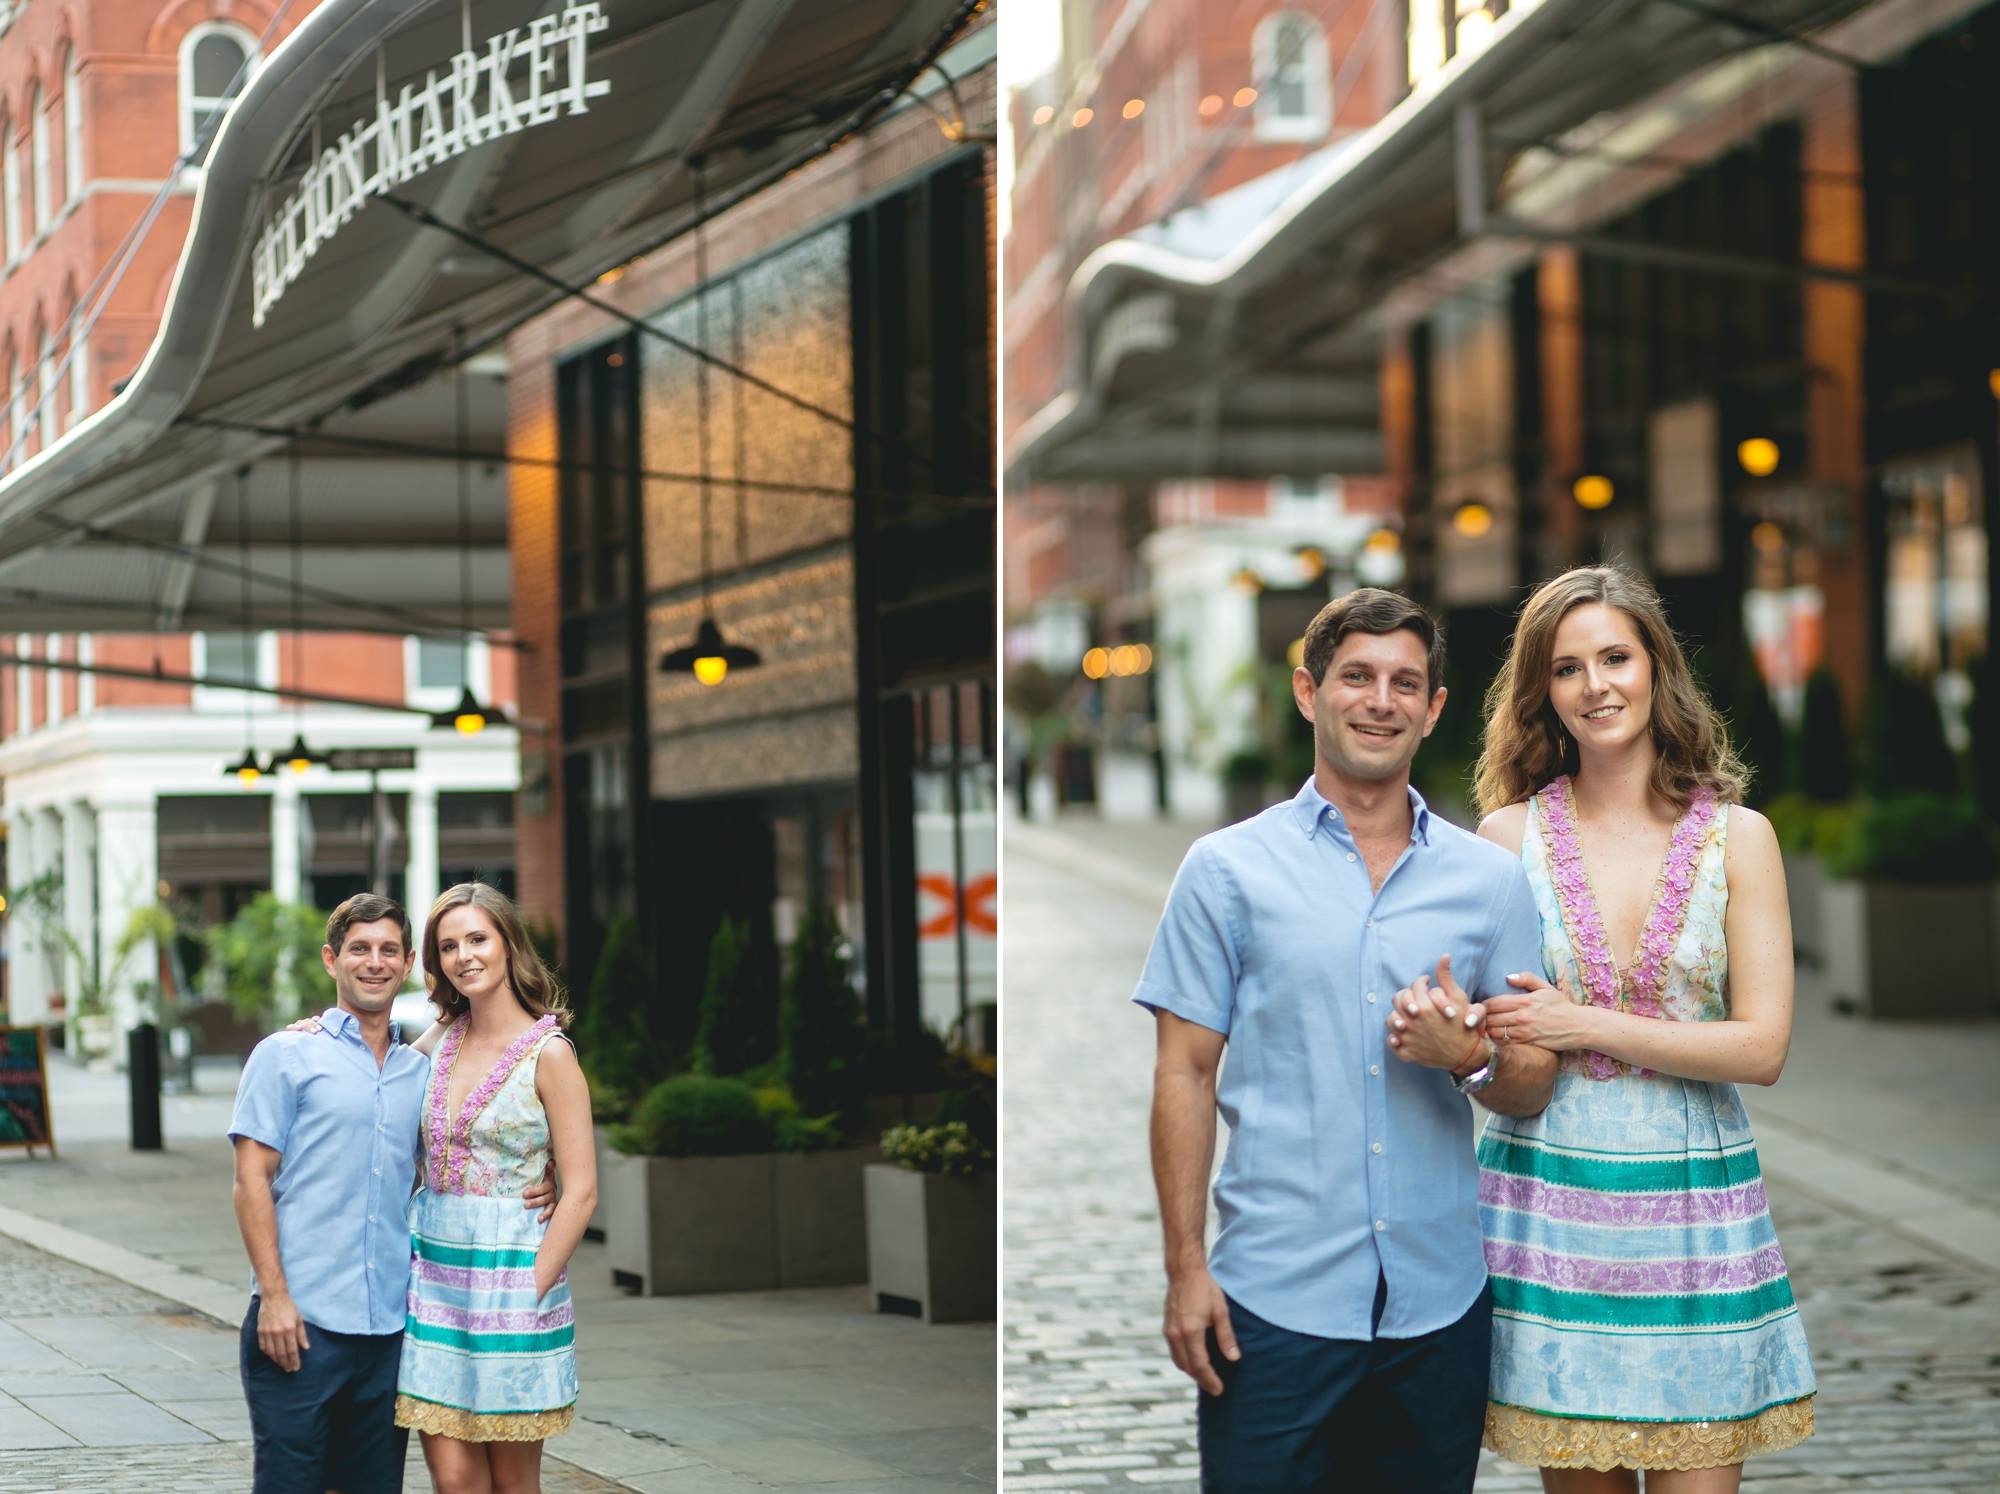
pixel 1344 1161
pixel 348 1133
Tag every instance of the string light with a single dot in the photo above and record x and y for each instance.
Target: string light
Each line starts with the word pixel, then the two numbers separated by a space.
pixel 1592 490
pixel 1245 97
pixel 1096 663
pixel 1044 114
pixel 1134 108
pixel 1472 519
pixel 1082 117
pixel 1211 106
pixel 1758 455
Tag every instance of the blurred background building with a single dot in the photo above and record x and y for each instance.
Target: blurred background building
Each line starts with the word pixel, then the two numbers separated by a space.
pixel 1453 295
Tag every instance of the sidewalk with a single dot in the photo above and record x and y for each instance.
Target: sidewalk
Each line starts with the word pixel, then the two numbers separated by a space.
pixel 1892 1122
pixel 685 1395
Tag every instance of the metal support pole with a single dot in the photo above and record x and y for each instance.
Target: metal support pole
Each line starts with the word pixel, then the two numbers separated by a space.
pixel 1468 136
pixel 142 1071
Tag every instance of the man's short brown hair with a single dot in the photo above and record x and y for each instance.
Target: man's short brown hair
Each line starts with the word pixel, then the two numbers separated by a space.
pixel 366 907
pixel 1372 610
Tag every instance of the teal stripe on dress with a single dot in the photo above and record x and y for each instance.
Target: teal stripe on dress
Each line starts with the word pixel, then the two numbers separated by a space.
pixel 491 1343
pixel 1698 1309
pixel 1606 1176
pixel 468 1255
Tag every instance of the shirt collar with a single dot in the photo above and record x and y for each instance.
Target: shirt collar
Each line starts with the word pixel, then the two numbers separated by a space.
pixel 1310 806
pixel 342 1023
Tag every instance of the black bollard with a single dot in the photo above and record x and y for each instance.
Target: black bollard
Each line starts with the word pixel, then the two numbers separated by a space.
pixel 142 1068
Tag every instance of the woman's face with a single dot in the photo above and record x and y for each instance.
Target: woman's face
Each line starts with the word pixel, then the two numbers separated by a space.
pixel 1601 678
pixel 472 953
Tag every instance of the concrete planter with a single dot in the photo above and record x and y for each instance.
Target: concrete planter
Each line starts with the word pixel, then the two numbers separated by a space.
pixel 1805 884
pixel 600 1142
pixel 931 1244
pixel 1895 949
pixel 676 1226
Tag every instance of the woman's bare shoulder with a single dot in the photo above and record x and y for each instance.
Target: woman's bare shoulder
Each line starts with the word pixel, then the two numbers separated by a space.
pixel 1506 826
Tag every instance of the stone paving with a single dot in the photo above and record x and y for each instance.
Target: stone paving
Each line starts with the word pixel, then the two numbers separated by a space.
pixel 1906 1339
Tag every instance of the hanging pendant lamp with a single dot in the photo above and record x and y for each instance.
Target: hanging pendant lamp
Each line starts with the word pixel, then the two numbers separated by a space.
pixel 468 718
pixel 246 770
pixel 711 656
pixel 298 757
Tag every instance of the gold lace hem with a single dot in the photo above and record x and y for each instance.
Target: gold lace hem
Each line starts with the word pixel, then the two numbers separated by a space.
pixel 481 1426
pixel 1543 1441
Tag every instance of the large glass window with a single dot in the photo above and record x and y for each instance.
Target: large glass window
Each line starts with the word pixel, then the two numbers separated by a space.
pixel 1934 585
pixel 955 794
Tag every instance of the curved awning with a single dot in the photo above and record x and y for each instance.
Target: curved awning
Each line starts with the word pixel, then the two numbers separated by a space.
pixel 1243 338
pixel 314 288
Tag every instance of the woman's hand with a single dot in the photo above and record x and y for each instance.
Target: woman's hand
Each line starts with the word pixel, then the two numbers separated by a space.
pixel 547 1274
pixel 1545 1015
pixel 304 1024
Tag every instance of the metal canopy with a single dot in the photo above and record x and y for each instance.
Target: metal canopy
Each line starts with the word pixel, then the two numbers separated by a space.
pixel 1263 359
pixel 96 531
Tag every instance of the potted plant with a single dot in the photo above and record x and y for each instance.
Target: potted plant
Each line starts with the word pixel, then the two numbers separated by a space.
pixel 616 1048
pixel 1908 908
pixel 691 1208
pixel 932 1214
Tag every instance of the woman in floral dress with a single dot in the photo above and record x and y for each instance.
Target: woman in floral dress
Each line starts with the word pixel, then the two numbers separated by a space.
pixel 489 1359
pixel 1643 1317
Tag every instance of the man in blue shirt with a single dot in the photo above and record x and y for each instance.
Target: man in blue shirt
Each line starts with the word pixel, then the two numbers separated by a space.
pixel 326 1134
pixel 1340 1327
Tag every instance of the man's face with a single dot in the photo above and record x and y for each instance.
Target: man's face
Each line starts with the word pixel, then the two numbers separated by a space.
pixel 370 966
pixel 1374 707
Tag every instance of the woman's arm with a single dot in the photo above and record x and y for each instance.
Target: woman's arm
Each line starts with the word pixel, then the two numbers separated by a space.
pixel 1749 1046
pixel 427 1044
pixel 560 1085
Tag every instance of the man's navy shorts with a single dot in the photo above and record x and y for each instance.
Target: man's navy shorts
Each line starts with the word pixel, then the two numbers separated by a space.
pixel 331 1423
pixel 1299 1413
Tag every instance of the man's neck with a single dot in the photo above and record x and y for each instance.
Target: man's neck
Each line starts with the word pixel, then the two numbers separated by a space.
pixel 374 1028
pixel 1375 808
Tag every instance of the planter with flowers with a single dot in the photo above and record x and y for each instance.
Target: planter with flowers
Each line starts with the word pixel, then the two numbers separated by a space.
pixel 933 1207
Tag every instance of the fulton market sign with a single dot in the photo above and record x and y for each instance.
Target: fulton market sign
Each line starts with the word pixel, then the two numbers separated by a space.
pixel 527 75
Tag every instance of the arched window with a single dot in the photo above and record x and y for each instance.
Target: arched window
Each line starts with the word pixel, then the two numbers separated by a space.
pixel 38 134
pixel 211 57
pixel 10 188
pixel 1294 82
pixel 79 373
pixel 72 128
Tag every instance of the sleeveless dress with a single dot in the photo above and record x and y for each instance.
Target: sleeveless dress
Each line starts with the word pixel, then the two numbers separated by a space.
pixel 1642 1315
pixel 483 1360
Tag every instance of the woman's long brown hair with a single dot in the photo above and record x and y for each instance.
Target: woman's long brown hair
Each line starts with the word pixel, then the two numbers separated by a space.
pixel 1525 745
pixel 534 987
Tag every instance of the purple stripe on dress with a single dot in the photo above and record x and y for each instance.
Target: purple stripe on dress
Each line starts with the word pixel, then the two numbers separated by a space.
pixel 1587 1206
pixel 482 1278
pixel 502 1320
pixel 1730 1273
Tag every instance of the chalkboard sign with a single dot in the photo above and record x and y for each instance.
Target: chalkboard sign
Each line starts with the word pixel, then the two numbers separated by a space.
pixel 24 1089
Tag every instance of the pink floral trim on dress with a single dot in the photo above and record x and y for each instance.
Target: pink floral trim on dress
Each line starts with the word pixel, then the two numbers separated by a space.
pixel 451 1145
pixel 1637 990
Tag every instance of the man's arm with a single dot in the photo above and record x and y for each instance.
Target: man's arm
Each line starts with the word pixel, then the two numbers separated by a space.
pixel 1183 1132
pixel 281 1332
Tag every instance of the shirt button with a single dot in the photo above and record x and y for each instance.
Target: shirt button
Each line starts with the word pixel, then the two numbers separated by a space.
pixel 1381 1225
pixel 1374 1068
pixel 1376 1149
pixel 1370 923
pixel 1371 998
pixel 1350 856
pixel 371 1218
pixel 378 1172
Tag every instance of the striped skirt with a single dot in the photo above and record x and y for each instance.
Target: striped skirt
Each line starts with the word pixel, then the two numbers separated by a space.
pixel 483 1360
pixel 1642 1315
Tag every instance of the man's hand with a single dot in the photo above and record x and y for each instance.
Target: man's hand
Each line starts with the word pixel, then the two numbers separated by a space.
pixel 1436 1026
pixel 281 1332
pixel 1195 1305
pixel 542 1196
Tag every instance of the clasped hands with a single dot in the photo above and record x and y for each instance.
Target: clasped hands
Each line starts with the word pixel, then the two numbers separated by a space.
pixel 1434 1024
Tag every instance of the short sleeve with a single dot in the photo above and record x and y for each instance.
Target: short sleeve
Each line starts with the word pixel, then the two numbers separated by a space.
pixel 1192 967
pixel 1517 937
pixel 267 1099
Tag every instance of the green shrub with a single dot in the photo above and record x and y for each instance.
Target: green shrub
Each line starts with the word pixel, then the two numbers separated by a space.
pixel 695 1115
pixel 949 1148
pixel 1933 839
pixel 1826 754
pixel 1757 731
pixel 823 1039
pixel 1795 819
pixel 791 1129
pixel 736 1005
pixel 1904 749
pixel 614 1042
pixel 905 1065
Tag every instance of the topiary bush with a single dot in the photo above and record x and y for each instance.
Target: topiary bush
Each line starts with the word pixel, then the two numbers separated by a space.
pixel 1903 747
pixel 823 1038
pixel 614 1043
pixel 1826 754
pixel 737 1009
pixel 695 1115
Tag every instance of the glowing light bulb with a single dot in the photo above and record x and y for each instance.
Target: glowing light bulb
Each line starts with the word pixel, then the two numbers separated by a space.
pixel 1759 456
pixel 711 669
pixel 299 764
pixel 1592 490
pixel 1472 520
pixel 1096 663
pixel 248 776
pixel 469 723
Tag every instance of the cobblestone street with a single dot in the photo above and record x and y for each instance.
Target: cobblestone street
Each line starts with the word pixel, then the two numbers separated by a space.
pixel 1906 1338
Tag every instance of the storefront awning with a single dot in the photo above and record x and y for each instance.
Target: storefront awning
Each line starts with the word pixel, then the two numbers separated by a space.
pixel 317 288
pixel 1241 338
